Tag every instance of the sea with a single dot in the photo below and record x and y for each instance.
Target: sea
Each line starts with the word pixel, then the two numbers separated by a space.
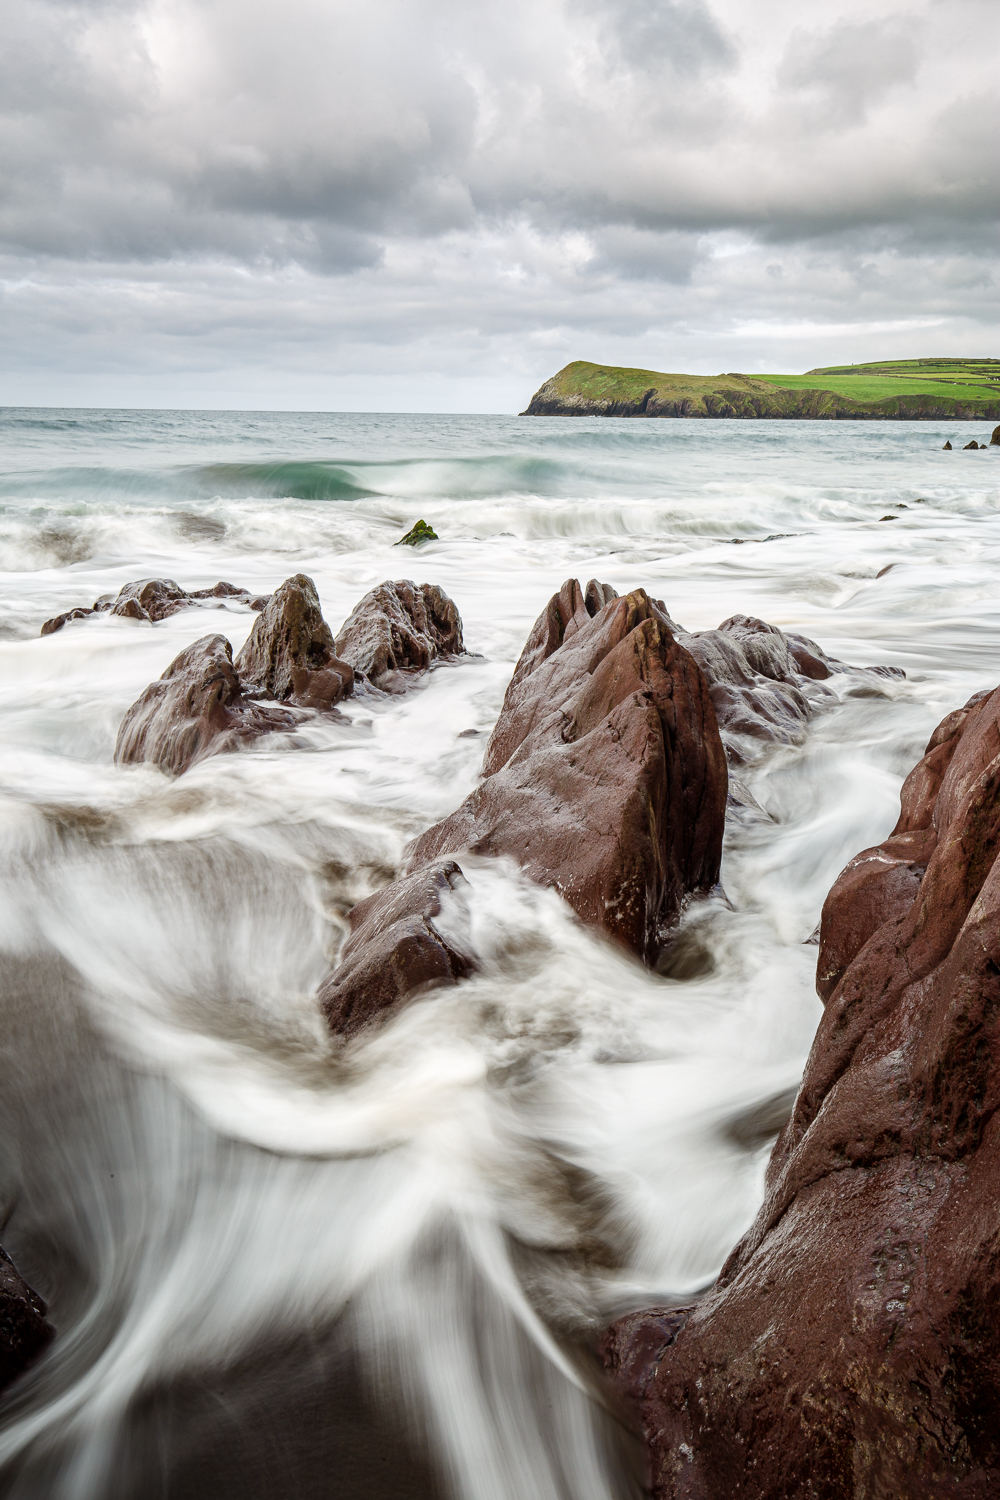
pixel 282 1268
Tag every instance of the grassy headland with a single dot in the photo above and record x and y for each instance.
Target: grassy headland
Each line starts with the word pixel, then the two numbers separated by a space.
pixel 959 389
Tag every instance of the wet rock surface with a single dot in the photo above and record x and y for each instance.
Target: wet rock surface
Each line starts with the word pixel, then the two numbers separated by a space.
pixel 290 654
pixel 605 776
pixel 851 1346
pixel 397 630
pixel 766 684
pixel 24 1330
pixel 399 947
pixel 207 704
pixel 153 599
pixel 195 709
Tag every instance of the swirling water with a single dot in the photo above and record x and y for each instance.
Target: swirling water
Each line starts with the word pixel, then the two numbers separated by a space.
pixel 278 1268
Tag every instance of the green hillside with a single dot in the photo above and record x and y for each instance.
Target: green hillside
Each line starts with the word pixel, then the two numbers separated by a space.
pixel 961 389
pixel 961 379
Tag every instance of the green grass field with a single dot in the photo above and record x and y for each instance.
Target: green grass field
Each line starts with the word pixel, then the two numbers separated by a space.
pixel 959 379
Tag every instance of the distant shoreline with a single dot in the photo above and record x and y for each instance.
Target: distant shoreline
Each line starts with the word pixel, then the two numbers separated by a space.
pixel 914 390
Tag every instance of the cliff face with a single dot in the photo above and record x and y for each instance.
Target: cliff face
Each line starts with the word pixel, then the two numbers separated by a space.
pixel 850 1349
pixel 585 390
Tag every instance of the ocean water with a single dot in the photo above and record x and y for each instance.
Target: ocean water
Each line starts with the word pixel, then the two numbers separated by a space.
pixel 282 1269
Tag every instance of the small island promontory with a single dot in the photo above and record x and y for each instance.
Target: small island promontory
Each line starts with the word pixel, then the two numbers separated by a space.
pixel 893 390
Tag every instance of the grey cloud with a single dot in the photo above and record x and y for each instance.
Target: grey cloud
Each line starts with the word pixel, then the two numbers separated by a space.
pixel 682 35
pixel 642 254
pixel 851 66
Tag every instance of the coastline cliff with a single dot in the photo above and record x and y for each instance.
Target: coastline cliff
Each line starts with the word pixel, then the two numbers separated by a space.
pixel 583 389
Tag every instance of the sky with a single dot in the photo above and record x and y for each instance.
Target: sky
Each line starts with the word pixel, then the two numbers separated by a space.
pixel 427 205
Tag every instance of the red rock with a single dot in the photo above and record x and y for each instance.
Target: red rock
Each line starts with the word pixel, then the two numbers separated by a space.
pixel 605 776
pixel 397 950
pixel 24 1331
pixel 397 630
pixel 150 599
pixel 290 654
pixel 765 684
pixel 195 709
pixel 851 1346
pixel 153 599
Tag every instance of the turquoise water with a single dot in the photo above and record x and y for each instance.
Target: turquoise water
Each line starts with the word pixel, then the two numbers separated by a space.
pixel 253 1246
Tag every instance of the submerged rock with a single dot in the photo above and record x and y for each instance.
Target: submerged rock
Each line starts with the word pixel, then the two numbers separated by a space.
pixel 153 599
pixel 24 1329
pixel 397 630
pixel 290 653
pixel 851 1345
pixel 421 532
pixel 399 947
pixel 195 709
pixel 605 776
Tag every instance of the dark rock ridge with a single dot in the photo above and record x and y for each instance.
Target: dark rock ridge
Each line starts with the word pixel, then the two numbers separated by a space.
pixel 766 685
pixel 397 630
pixel 396 949
pixel 851 1346
pixel 605 776
pixel 290 655
pixel 24 1330
pixel 197 708
pixel 153 599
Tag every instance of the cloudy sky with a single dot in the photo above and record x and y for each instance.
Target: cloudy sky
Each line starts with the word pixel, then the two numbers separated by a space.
pixel 434 204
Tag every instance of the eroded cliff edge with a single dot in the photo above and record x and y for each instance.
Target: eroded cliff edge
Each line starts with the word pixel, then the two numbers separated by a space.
pixel 582 389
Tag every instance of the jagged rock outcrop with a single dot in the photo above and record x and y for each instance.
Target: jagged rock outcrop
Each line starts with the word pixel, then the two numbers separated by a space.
pixel 290 655
pixel 399 946
pixel 995 439
pixel 24 1330
pixel 766 685
pixel 605 776
pixel 851 1346
pixel 397 630
pixel 153 599
pixel 195 709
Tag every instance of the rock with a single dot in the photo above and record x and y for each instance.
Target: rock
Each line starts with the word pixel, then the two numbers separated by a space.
pixel 765 685
pixel 150 599
pixel 397 629
pixel 399 947
pixel 851 1346
pixel 995 439
pixel 605 776
pixel 290 655
pixel 153 599
pixel 947 447
pixel 58 621
pixel 973 444
pixel 421 532
pixel 24 1330
pixel 194 710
